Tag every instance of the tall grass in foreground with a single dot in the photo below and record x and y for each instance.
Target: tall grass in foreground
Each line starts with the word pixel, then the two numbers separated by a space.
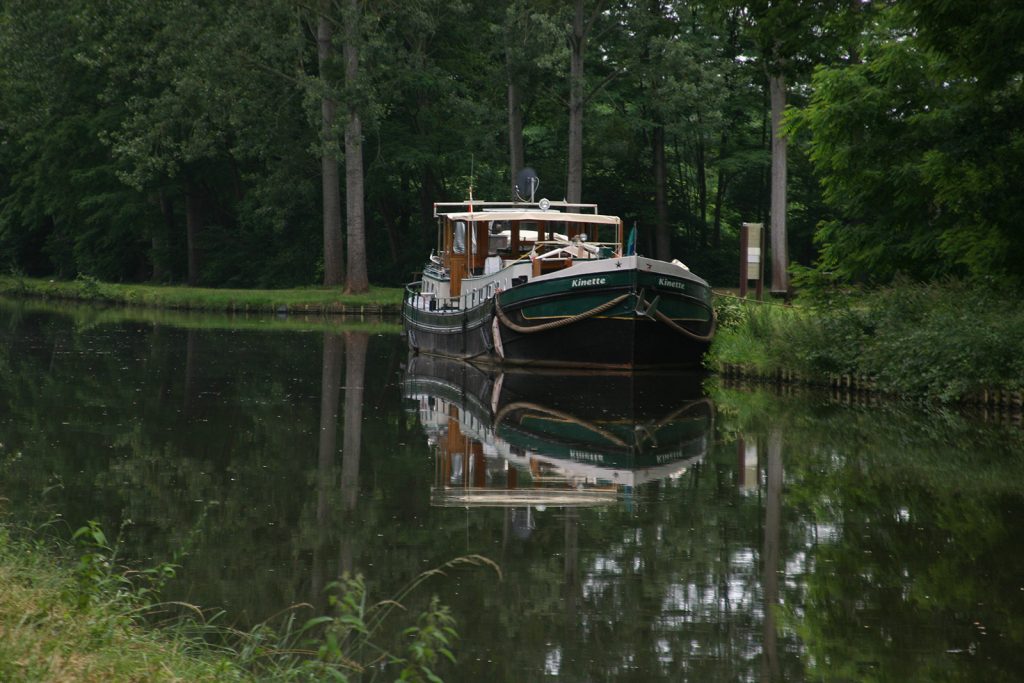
pixel 95 622
pixel 944 341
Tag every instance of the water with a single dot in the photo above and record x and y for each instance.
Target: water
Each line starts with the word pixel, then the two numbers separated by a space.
pixel 645 528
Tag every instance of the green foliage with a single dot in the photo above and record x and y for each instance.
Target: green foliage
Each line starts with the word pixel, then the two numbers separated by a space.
pixel 98 578
pixel 429 641
pixel 309 300
pixel 945 341
pixel 144 117
pixel 109 599
pixel 918 156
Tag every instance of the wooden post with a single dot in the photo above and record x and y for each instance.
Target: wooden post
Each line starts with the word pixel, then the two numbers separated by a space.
pixel 760 269
pixel 744 238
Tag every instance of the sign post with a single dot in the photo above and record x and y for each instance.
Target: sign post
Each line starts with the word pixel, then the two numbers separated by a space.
pixel 752 257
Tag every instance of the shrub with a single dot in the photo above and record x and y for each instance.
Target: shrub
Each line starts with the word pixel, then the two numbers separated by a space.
pixel 942 341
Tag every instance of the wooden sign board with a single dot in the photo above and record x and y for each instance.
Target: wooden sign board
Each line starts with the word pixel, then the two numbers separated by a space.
pixel 751 256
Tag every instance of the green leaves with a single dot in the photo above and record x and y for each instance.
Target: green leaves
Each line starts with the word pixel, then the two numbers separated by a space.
pixel 917 156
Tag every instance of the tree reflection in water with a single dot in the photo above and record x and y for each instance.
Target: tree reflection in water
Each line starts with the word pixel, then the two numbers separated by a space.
pixel 847 543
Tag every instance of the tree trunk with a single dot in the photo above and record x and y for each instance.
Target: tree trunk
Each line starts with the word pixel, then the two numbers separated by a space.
pixel 358 280
pixel 780 246
pixel 716 230
pixel 663 238
pixel 517 154
pixel 428 191
pixel 720 185
pixel 193 224
pixel 158 238
pixel 577 43
pixel 334 268
pixel 702 191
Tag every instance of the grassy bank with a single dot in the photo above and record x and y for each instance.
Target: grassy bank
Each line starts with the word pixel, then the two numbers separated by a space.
pixel 947 342
pixel 89 316
pixel 306 300
pixel 73 614
pixel 52 630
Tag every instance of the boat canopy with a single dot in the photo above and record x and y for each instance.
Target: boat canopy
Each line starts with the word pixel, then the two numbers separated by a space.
pixel 487 216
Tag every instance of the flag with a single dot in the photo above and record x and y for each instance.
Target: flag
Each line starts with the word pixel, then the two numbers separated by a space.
pixel 631 242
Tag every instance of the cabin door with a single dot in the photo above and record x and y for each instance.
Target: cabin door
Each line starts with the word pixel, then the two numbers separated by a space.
pixel 457 271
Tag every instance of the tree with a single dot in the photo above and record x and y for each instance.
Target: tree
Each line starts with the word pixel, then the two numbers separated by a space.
pixel 917 145
pixel 334 264
pixel 62 208
pixel 356 281
pixel 791 36
pixel 577 35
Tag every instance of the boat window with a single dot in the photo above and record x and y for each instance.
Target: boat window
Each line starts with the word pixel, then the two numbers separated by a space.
pixel 459 244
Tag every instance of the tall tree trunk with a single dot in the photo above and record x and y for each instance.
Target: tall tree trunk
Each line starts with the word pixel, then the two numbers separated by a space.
pixel 716 230
pixel 577 44
pixel 158 237
pixel 334 265
pixel 720 185
pixel 429 190
pixel 684 190
pixel 516 151
pixel 358 280
pixel 702 191
pixel 780 243
pixel 663 238
pixel 193 224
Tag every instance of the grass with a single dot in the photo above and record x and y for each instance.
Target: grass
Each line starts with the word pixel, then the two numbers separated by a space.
pixel 47 635
pixel 90 620
pixel 946 341
pixel 89 316
pixel 300 300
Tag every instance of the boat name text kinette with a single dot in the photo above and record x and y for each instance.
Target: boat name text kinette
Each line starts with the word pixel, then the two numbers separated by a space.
pixel 587 281
pixel 665 282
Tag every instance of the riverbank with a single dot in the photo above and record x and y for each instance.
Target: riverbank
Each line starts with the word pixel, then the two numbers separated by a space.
pixel 73 614
pixel 311 300
pixel 51 629
pixel 946 342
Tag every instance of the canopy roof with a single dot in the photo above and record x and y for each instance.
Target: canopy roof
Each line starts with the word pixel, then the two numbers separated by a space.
pixel 556 216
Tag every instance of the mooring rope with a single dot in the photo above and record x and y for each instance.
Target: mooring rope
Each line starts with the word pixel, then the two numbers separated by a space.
pixel 682 330
pixel 524 329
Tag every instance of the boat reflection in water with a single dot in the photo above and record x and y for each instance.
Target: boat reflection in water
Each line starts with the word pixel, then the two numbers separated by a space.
pixel 531 439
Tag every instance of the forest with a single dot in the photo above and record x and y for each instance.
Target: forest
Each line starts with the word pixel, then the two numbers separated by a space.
pixel 279 143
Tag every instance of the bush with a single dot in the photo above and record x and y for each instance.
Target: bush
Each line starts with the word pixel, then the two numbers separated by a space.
pixel 942 341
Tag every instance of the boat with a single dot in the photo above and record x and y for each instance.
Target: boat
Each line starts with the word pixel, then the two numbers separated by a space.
pixel 515 437
pixel 553 284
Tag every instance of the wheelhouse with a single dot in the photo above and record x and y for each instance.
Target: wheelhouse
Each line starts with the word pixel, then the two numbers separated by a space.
pixel 478 241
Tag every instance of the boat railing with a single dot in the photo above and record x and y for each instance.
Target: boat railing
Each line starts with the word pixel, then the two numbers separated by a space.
pixel 442 208
pixel 419 300
pixel 546 250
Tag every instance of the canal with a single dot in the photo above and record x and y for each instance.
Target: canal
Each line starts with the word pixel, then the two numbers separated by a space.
pixel 643 528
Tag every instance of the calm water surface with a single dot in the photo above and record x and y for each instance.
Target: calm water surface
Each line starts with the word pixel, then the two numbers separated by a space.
pixel 646 528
